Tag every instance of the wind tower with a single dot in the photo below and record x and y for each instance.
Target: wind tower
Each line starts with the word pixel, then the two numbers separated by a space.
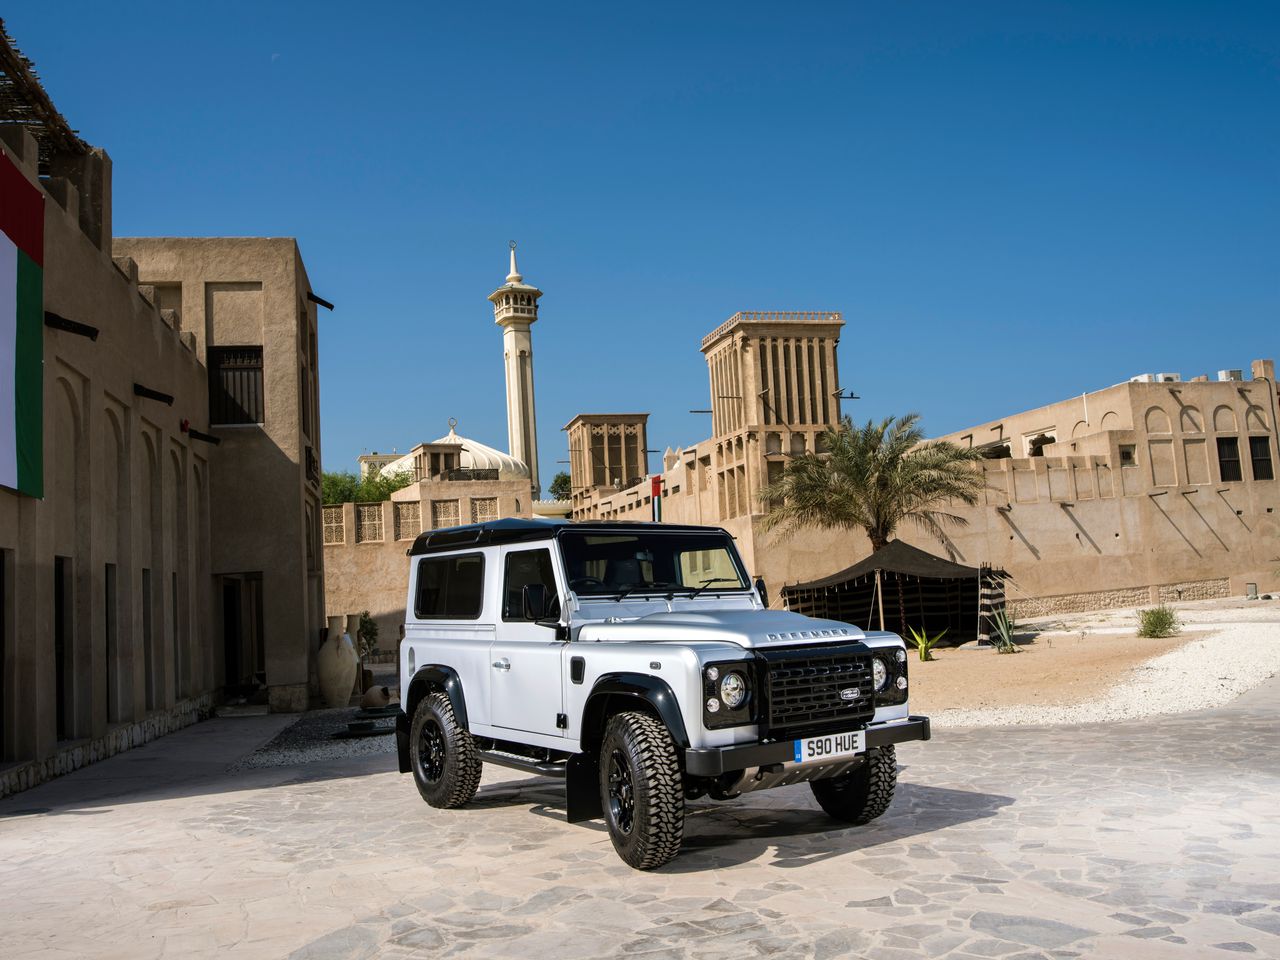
pixel 515 309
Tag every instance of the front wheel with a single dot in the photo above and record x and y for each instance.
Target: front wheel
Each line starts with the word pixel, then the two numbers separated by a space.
pixel 641 790
pixel 445 761
pixel 863 794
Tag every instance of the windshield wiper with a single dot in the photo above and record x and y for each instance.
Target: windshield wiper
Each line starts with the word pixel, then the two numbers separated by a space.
pixel 628 588
pixel 707 583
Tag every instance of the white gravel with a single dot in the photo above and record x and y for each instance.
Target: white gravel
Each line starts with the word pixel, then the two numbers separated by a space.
pixel 1242 651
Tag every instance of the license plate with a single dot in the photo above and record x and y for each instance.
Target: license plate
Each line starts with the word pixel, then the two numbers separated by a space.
pixel 833 746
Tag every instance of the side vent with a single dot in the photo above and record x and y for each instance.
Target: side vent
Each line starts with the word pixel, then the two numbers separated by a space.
pixel 577 669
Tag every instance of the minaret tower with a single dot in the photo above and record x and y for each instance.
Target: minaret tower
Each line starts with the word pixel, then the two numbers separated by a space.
pixel 515 308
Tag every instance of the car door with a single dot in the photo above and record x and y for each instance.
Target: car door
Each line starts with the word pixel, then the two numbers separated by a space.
pixel 526 687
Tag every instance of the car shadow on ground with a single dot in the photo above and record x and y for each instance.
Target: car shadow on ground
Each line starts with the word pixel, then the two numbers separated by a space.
pixel 786 821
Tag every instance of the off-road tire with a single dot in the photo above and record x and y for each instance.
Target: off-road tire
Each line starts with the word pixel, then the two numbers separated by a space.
pixel 863 794
pixel 451 777
pixel 650 834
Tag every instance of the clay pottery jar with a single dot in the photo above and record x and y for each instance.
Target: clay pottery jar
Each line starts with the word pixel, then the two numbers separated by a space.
pixel 336 665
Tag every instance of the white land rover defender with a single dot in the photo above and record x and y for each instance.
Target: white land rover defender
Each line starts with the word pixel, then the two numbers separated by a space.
pixel 637 662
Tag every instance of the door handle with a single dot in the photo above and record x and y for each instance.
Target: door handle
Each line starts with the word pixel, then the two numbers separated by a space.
pixel 503 664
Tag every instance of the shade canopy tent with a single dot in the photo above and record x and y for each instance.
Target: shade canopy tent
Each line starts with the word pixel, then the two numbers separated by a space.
pixel 907 587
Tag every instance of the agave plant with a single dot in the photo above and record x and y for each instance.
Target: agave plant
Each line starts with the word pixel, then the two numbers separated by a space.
pixel 1003 637
pixel 925 643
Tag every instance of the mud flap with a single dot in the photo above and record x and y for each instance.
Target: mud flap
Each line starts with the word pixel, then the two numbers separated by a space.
pixel 582 787
pixel 402 740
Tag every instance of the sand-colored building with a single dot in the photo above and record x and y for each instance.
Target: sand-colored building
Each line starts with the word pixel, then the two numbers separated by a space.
pixel 112 577
pixel 247 304
pixel 775 387
pixel 1153 489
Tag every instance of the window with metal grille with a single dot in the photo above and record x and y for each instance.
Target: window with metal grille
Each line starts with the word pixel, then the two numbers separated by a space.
pixel 235 385
pixel 1229 459
pixel 444 513
pixel 408 520
pixel 1260 454
pixel 484 509
pixel 368 522
pixel 333 531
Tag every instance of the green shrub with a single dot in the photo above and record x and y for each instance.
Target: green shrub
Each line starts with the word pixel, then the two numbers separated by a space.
pixel 367 634
pixel 1159 621
pixel 1002 639
pixel 925 643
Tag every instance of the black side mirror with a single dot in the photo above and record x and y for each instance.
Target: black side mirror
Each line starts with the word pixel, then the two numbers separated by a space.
pixel 761 591
pixel 535 601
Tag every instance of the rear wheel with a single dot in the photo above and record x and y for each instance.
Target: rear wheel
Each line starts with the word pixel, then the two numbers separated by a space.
pixel 641 790
pixel 863 794
pixel 444 758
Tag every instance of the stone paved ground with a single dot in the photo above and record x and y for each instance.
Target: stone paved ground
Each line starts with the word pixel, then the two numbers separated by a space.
pixel 1156 839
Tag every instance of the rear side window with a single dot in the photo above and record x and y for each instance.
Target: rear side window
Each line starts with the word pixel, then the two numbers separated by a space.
pixel 450 588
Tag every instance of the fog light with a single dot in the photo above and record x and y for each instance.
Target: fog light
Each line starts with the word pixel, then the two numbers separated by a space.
pixel 713 674
pixel 713 705
pixel 902 683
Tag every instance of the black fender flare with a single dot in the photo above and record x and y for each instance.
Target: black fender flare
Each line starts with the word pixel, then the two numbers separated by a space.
pixel 427 679
pixel 613 690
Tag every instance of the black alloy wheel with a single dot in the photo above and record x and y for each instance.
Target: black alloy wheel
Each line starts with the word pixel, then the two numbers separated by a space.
pixel 431 751
pixel 622 798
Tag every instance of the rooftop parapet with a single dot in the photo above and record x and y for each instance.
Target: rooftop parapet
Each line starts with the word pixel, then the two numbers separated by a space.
pixel 772 316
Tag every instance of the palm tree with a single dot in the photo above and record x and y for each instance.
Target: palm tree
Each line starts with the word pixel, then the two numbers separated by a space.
pixel 874 478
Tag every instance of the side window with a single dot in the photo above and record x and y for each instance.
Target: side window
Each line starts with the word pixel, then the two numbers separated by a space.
pixel 450 588
pixel 524 568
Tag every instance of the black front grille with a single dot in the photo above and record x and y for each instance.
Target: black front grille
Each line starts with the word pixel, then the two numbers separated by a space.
pixel 804 686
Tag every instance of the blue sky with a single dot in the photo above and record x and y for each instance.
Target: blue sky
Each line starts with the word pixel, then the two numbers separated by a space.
pixel 1010 202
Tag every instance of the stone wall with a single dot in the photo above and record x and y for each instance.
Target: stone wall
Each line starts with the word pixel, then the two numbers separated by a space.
pixel 23 776
pixel 1119 598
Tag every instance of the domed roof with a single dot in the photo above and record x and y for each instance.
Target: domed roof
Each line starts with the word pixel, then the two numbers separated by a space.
pixel 474 456
pixel 478 456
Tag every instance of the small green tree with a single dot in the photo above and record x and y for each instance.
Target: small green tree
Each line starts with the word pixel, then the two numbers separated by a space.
pixel 561 486
pixel 367 634
pixel 345 487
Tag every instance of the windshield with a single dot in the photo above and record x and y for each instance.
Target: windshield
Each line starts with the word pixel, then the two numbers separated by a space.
pixel 618 564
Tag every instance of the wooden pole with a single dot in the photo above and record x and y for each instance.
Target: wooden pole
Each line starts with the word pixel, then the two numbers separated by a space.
pixel 880 597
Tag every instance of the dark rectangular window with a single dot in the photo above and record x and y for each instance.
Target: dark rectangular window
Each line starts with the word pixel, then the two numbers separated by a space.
pixel 177 639
pixel 524 568
pixel 1260 454
pixel 63 675
pixel 110 627
pixel 148 642
pixel 235 385
pixel 450 588
pixel 1229 459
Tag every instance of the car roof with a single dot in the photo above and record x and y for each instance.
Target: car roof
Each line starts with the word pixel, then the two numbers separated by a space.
pixel 514 530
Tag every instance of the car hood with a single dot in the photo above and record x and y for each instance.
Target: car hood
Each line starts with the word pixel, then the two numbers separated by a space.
pixel 746 628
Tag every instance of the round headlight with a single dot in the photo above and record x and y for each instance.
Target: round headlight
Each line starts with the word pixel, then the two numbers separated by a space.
pixel 713 674
pixel 733 690
pixel 713 705
pixel 902 683
pixel 879 674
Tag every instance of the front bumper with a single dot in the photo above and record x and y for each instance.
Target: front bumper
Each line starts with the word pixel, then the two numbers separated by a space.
pixel 713 761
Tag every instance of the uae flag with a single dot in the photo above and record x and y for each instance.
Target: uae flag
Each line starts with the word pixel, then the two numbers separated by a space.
pixel 21 331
